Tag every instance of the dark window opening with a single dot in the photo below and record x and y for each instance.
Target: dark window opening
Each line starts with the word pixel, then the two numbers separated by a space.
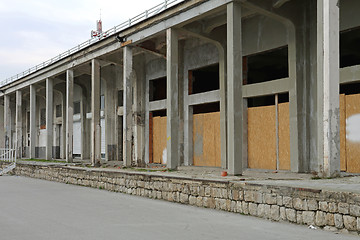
pixel 28 122
pixel 159 113
pixel 120 98
pixel 204 79
pixel 261 101
pixel 157 89
pixel 58 110
pixel 266 66
pixel 267 100
pixel 349 48
pixel 283 97
pixel 348 89
pixel 42 118
pixel 206 108
pixel 76 107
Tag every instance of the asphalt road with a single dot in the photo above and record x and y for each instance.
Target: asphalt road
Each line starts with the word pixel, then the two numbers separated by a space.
pixel 37 209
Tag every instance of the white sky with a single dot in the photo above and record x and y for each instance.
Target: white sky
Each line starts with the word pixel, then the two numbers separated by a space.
pixel 34 31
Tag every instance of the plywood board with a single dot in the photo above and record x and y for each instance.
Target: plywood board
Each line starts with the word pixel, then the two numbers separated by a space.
pixel 284 136
pixel 151 135
pixel 342 133
pixel 262 137
pixel 159 138
pixel 206 139
pixel 353 133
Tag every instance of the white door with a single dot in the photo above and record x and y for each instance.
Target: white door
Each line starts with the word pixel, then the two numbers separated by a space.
pixel 77 138
pixel 102 124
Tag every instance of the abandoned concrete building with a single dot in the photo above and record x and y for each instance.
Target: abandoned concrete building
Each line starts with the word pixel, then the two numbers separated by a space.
pixel 236 84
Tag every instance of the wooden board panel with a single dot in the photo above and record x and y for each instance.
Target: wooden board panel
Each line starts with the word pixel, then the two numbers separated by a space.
pixel 206 139
pixel 159 138
pixel 284 136
pixel 342 133
pixel 352 133
pixel 151 135
pixel 262 137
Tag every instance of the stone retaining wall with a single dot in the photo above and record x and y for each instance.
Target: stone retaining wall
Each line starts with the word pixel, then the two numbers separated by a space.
pixel 326 209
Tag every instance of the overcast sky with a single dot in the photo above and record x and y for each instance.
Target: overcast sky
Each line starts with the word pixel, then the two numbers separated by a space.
pixel 34 31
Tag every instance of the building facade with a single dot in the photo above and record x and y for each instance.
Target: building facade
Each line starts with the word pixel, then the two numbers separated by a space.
pixel 235 84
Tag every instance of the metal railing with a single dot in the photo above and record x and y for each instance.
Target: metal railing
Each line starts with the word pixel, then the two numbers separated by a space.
pixel 132 21
pixel 7 155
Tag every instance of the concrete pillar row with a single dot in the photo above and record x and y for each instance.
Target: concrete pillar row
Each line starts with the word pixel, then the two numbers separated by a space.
pixel 234 89
pixel 7 121
pixel 172 101
pixel 18 122
pixel 32 121
pixel 128 111
pixel 69 114
pixel 49 118
pixel 328 75
pixel 95 111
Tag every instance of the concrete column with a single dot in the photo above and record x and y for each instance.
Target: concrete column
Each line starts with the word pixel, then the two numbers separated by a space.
pixel 128 112
pixel 85 126
pixel 110 112
pixel 69 114
pixel 328 75
pixel 49 118
pixel 139 102
pixel 223 109
pixel 234 89
pixel 7 121
pixel 95 110
pixel 32 121
pixel 172 101
pixel 18 122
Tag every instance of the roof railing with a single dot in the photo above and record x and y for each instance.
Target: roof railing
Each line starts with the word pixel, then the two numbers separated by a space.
pixel 116 29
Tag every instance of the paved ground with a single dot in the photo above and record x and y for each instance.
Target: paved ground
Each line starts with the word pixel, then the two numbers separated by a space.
pixel 37 209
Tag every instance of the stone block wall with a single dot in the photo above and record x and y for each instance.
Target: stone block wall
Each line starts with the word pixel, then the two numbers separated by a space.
pixel 325 209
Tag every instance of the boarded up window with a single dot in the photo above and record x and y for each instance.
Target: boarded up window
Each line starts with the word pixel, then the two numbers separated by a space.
pixel 42 118
pixel 76 107
pixel 58 110
pixel 349 133
pixel 206 139
pixel 267 125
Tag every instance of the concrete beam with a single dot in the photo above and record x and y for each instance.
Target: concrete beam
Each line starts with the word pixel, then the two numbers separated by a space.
pixel 18 124
pixel 328 87
pixel 157 105
pixel 172 111
pixel 202 98
pixel 33 131
pixel 69 114
pixel 95 110
pixel 49 117
pixel 266 88
pixel 128 110
pixel 7 121
pixel 350 74
pixel 234 89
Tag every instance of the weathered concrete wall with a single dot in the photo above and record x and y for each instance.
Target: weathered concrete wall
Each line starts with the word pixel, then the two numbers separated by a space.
pixel 349 9
pixel 330 209
pixel 261 33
